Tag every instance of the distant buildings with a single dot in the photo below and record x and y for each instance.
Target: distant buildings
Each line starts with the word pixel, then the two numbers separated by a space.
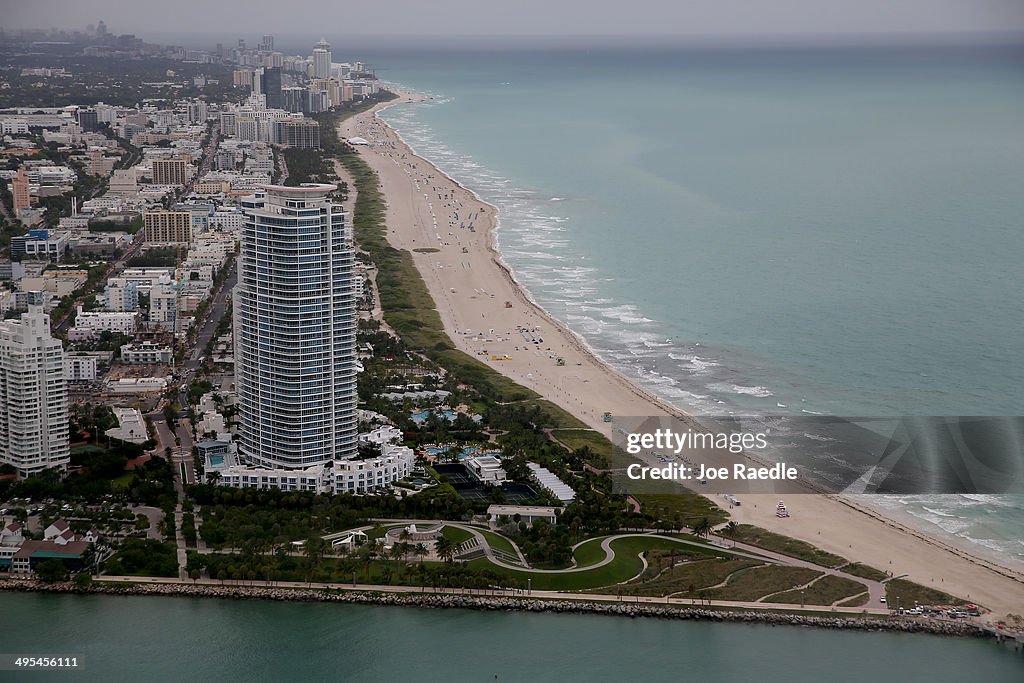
pixel 295 327
pixel 121 295
pixel 41 243
pixel 33 394
pixel 173 227
pixel 197 111
pixel 170 172
pixel 301 133
pixel 19 188
pixel 322 60
pixel 88 119
pixel 271 85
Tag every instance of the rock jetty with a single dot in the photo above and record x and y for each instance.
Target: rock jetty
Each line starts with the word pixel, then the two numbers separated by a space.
pixel 493 603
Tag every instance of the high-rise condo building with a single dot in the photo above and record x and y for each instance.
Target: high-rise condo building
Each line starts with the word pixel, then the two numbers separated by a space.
pixel 169 172
pixel 272 87
pixel 167 226
pixel 20 191
pixel 295 329
pixel 301 133
pixel 322 60
pixel 33 393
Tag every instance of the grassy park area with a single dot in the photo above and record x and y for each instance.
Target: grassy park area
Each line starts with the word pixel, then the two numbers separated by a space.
pixel 825 591
pixel 801 550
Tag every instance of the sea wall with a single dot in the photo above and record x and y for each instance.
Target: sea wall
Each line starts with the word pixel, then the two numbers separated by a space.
pixel 522 604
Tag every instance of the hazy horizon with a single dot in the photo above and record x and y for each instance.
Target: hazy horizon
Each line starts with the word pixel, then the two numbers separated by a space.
pixel 700 20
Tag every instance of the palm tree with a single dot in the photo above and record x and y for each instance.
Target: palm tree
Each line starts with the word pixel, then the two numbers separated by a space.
pixel 730 530
pixel 314 549
pixel 702 528
pixel 445 549
pixel 421 551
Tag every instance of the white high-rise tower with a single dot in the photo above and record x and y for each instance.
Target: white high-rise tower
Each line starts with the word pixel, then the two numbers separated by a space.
pixel 295 329
pixel 322 60
pixel 33 393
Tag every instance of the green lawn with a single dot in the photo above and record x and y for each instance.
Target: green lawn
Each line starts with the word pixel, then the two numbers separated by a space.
pixel 589 552
pixel 625 566
pixel 456 535
pixel 576 439
pixel 499 542
pixel 123 482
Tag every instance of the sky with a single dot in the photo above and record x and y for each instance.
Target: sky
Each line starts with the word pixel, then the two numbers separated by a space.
pixel 522 17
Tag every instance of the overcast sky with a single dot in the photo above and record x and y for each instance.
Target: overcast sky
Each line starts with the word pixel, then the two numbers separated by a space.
pixel 520 17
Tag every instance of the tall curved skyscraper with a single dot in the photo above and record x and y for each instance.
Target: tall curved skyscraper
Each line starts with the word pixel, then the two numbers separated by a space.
pixel 322 60
pixel 295 329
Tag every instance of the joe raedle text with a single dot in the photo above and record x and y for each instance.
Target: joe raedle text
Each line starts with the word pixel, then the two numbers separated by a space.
pixel 700 472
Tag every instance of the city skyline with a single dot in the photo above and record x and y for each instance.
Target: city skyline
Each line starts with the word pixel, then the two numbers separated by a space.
pixel 534 17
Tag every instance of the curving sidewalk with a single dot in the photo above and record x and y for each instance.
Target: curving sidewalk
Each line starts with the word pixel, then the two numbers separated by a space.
pixel 875 589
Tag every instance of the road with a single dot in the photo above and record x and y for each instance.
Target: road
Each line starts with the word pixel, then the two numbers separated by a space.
pixel 115 268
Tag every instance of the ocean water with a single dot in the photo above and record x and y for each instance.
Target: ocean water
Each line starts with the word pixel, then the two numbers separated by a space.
pixel 175 639
pixel 768 231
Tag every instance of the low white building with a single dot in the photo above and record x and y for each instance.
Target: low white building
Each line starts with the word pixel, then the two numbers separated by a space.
pixel 239 476
pixel 130 426
pixel 549 481
pixel 79 368
pixel 137 385
pixel 230 221
pixel 123 322
pixel 365 476
pixel 339 476
pixel 382 435
pixel 146 352
pixel 486 468
pixel 499 514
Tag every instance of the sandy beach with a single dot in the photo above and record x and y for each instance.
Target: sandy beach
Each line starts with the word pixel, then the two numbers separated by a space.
pixel 488 316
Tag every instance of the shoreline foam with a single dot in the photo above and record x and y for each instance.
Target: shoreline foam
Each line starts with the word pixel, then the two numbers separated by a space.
pixel 880 540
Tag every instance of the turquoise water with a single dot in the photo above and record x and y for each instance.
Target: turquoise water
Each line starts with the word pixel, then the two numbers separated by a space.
pixel 835 231
pixel 762 231
pixel 163 639
pixel 424 414
pixel 466 453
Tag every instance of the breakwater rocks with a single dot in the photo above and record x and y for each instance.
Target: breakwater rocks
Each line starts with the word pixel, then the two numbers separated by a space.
pixel 519 604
